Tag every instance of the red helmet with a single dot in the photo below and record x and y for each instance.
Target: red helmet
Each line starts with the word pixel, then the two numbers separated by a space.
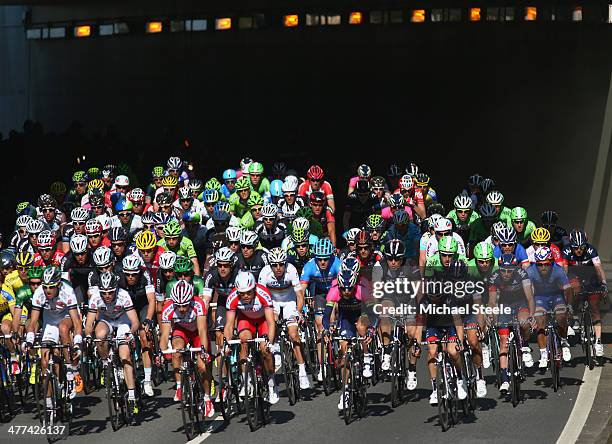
pixel 363 238
pixel 317 197
pixel 315 172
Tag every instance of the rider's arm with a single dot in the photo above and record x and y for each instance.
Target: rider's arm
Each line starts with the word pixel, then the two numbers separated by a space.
pixel 203 331
pixel 151 306
pixel 529 296
pixel 89 322
pixel 458 321
pixel 230 319
pixel 331 229
pixel 196 266
pixel 269 314
pixel 133 317
pixel 329 307
pixel 76 321
pixel 164 334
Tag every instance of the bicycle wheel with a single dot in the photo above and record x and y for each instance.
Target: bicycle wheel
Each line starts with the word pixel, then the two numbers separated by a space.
pixel 472 396
pixel 553 361
pixel 513 370
pixel 50 412
pixel 228 388
pixel 252 405
pixel 349 392
pixel 396 384
pixel 443 400
pixel 326 369
pixel 39 394
pixel 113 396
pixel 451 381
pixel 587 342
pixel 494 350
pixel 188 406
pixel 361 396
pixel 286 356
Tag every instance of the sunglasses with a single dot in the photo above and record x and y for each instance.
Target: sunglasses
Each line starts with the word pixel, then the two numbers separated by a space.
pixel 362 248
pixel 443 233
pixel 117 244
pixel 78 224
pixel 484 261
pixel 394 259
pixel 462 211
pixel 543 264
pixel 22 268
pixel 506 270
pixel 322 259
pixel 186 200
pixel 159 227
pixel 518 221
pixel 33 235
pixel 447 254
pixel 223 265
pixel 269 219
pixel 350 244
pixel 147 250
pixel 301 245
pixel 540 244
pixel 125 214
pixel 167 271
pixel 171 237
pixel 313 204
pixel 510 244
pixel 138 202
pixel 97 207
pixel 45 248
pixel 234 242
pixel 278 265
pixel 164 207
pixel 131 273
pixel 35 284
pixel 183 274
pixel 93 236
pixel 247 247
pixel 80 184
pixel 289 194
pixel 82 253
pixel 230 181
pixel 254 174
pixel 256 209
pixel 107 292
pixel 48 210
pixel 316 180
pixel 49 286
pixel 148 226
pixel 579 247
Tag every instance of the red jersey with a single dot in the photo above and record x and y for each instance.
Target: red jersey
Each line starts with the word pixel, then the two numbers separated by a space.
pixel 305 189
pixel 56 260
pixel 254 310
pixel 188 321
pixel 153 266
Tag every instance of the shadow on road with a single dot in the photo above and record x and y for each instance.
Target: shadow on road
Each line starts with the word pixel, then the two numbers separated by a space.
pixel 281 416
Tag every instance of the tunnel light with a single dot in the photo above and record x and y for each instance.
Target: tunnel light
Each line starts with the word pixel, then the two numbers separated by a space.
pixel 291 21
pixel 474 14
pixel 154 27
pixel 418 16
pixel 57 33
pixel 531 13
pixel 356 18
pixel 577 14
pixel 222 24
pixel 82 31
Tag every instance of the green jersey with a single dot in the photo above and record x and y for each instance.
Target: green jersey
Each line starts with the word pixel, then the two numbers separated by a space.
pixel 434 267
pixel 198 286
pixel 452 214
pixel 505 215
pixel 475 273
pixel 238 207
pixel 264 186
pixel 184 248
pixel 23 298
pixel 478 231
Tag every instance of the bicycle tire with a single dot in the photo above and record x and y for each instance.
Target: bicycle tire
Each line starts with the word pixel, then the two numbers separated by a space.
pixel 188 414
pixel 348 393
pixel 396 394
pixel 251 398
pixel 361 392
pixel 39 397
pixel 513 369
pixel 587 343
pixel 443 402
pixel 287 353
pixel 50 414
pixel 228 390
pixel 552 360
pixel 113 397
pixel 326 369
pixel 494 350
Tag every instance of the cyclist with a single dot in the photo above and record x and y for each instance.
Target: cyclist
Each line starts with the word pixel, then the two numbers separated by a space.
pixel 299 252
pixel 540 237
pixel 77 266
pixel 364 172
pixel 481 227
pixel 181 245
pixel 504 213
pixel 552 289
pixel 229 182
pixel 351 246
pixel 404 230
pixel 359 205
pixel 137 197
pixel 157 176
pixel 510 286
pixel 290 202
pixel 23 299
pixel 324 215
pixel 186 202
pixel 47 250
pixel 559 235
pixel 522 225
pixel 184 322
pixel 258 181
pixel 118 239
pixel 316 182
pixel 249 258
pixel 49 214
pixel 463 216
pixel 249 308
pixel 375 225
pixel 149 252
pixel 95 234
pixel 581 259
pixel 114 312
pixel 473 190
pixel 79 189
pixel 443 227
pixel 270 231
pixel 125 217
pixel 239 200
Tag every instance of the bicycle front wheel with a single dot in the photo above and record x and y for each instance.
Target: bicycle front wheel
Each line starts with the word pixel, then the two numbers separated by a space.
pixel 349 393
pixel 252 401
pixel 189 408
pixel 588 343
pixel 443 400
pixel 113 397
pixel 514 370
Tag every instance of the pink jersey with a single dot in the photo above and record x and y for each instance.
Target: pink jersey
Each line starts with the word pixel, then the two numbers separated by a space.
pixel 363 291
pixel 388 215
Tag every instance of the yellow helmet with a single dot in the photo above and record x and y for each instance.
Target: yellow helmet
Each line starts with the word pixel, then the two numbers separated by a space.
pixel 170 181
pixel 24 259
pixel 540 235
pixel 95 184
pixel 145 240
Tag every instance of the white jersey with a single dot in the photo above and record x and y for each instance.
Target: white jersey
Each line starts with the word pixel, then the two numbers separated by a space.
pixel 135 225
pixel 114 312
pixel 196 207
pixel 234 222
pixel 55 310
pixel 282 289
pixel 432 245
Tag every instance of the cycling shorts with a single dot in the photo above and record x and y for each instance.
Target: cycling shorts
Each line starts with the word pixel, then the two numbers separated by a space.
pixel 289 311
pixel 188 336
pixel 259 325
pixel 434 333
pixel 548 303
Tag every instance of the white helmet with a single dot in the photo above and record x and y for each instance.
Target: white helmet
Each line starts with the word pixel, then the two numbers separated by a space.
pixel 182 293
pixel 277 256
pixel 122 181
pixel 35 226
pixel 301 222
pixel 292 182
pixel 495 198
pixel 224 254
pixel 167 259
pixel 184 193
pixel 269 210
pixel 174 163
pixel 79 214
pixel 23 220
pixel 131 263
pixel 406 182
pixel 443 224
pixel 248 237
pixel 289 186
pixel 102 256
pixel 245 281
pixel 233 234
pixel 105 221
pixel 352 234
pixel 78 243
pixel 463 202
pixel 108 281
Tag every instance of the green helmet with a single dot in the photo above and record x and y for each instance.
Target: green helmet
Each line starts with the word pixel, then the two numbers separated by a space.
pixel 22 206
pixel 212 184
pixel 518 213
pixel 35 272
pixel 299 236
pixel 448 244
pixel 483 251
pixel 79 176
pixel 256 168
pixel 243 184
pixel 94 173
pixel 374 221
pixel 255 199
pixel 183 265
pixel 304 212
pixel 172 229
pixel 58 188
pixel 158 171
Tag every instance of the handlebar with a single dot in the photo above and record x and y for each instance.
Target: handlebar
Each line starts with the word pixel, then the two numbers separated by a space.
pixel 183 350
pixel 240 341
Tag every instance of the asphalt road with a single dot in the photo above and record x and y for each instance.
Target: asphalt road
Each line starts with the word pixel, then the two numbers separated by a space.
pixel 540 419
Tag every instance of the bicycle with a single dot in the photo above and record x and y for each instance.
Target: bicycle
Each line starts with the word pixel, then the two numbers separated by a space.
pixel 469 369
pixel 398 369
pixel 355 385
pixel 159 369
pixel 192 391
pixel 492 338
pixel 254 386
pixel 553 349
pixel 91 368
pixel 289 363
pixel 330 370
pixel 228 384
pixel 308 337
pixel 587 332
pixel 516 367
pixel 8 381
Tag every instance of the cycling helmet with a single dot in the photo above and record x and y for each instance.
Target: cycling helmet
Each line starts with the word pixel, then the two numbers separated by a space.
pixel 224 254
pixel 377 182
pixel 233 234
pixel 35 226
pixel 25 258
pixel 315 172
pixel 79 176
pixel 195 185
pixel 300 222
pixel 577 238
pixel 106 174
pixel 255 199
pixel 323 248
pixel 160 218
pixel 433 219
pixel 279 168
pixel 183 264
pixel 364 171
pixel 122 181
pixel 229 174
pixel 46 239
pixel 95 184
pixel 7 259
pixel 374 222
pixel 220 216
pixel 136 195
pixel 249 238
pixel 124 205
pixel 488 211
pixel 23 220
pixel 210 196
pixel 351 263
pixel 103 257
pixel 518 213
pixel 104 221
pixel 352 234
pixel 182 293
pixel 96 200
pixel 508 260
pixel 292 182
pixel 244 163
pixel 108 281
pixel 184 193
pixel 164 198
pixel 487 185
pixel 148 218
pixel 506 235
pixel 363 238
pixel 78 243
pixel 475 180
pixel 299 236
pixel 146 240
pixel 483 251
pixel 172 229
pixel 58 188
pixel 400 217
pixel 448 244
pixel 167 260
pixel 395 248
pixel 245 281
pixel 51 275
pixel 443 224
pixel 157 172
pixel 549 217
pixel 36 272
pixel 256 168
pixel 289 186
pixel 117 234
pixel 25 208
pixel 540 235
pixel 396 200
pixel 347 279
pixel 222 206
pixel 276 188
pixel 174 163
pixel 277 256
pixel 170 181
pixel 394 171
pixel 435 208
pixel 47 201
pixel 305 212
pixel 79 214
pixel 463 202
pixel 269 210
pixel 422 180
pixel 213 184
pixel 131 263
pixel 543 254
pixel 317 197
pixel 406 182
pixel 497 227
pixel 243 184
pixel 495 198
pixel 94 172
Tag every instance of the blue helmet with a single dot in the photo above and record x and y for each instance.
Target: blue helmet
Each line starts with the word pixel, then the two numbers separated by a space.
pixel 276 188
pixel 222 205
pixel 229 175
pixel 323 248
pixel 123 205
pixel 220 216
pixel 210 196
pixel 508 260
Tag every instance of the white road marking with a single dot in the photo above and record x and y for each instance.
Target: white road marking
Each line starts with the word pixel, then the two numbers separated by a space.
pixel 582 406
pixel 215 423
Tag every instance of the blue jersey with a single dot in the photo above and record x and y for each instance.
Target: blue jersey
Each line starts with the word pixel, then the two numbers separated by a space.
pixel 320 281
pixel 552 284
pixel 226 192
pixel 519 252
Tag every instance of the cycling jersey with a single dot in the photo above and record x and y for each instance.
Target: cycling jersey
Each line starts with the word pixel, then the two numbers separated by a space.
pixel 582 267
pixel 7 301
pixel 271 238
pixel 551 284
pixel 238 207
pixel 254 264
pixel 320 280
pixel 134 223
pixel 475 274
pixel 510 291
pixel 387 214
pixel 282 289
pixel 196 281
pixel 434 267
pixel 114 312
pixel 138 292
pixel 12 282
pixel 462 228
pixel 556 254
pixel 519 252
pixel 56 309
pixel 360 209
pixel 77 274
pixel 349 309
pixel 184 248
pixel 297 261
pixel 410 239
pixel 305 189
pixel 287 211
pixel 56 259
pixel 187 321
pixel 253 310
pixel 432 246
